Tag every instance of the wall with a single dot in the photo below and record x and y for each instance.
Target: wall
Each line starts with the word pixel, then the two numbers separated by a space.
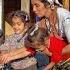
pixel 66 4
pixel 25 5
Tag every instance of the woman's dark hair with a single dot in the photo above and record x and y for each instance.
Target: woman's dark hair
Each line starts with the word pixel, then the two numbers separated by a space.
pixel 45 2
pixel 21 14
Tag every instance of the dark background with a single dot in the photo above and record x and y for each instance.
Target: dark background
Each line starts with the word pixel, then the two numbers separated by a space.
pixel 11 5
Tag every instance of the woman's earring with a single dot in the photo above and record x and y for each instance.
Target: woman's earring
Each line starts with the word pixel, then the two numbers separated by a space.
pixel 26 18
pixel 52 6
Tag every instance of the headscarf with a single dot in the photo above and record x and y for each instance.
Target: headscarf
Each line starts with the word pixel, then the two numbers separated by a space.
pixel 54 1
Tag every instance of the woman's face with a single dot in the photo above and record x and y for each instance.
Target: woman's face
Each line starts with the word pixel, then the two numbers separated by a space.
pixel 38 8
pixel 18 25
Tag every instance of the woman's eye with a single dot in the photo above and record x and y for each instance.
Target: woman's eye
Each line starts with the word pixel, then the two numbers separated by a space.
pixel 37 5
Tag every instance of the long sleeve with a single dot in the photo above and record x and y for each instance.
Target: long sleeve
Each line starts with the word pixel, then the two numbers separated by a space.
pixel 67 28
pixel 64 22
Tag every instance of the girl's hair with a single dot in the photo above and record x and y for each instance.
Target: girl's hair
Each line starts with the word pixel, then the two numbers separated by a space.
pixel 21 14
pixel 39 36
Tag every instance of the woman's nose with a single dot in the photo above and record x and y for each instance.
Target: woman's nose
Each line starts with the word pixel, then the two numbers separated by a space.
pixel 34 8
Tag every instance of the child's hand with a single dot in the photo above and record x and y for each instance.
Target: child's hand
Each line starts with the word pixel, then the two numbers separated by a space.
pixel 46 51
pixel 5 58
pixel 49 66
pixel 41 48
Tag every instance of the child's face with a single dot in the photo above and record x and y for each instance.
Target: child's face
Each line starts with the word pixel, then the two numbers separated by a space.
pixel 18 25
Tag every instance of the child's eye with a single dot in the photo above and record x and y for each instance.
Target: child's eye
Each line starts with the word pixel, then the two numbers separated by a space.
pixel 13 24
pixel 18 23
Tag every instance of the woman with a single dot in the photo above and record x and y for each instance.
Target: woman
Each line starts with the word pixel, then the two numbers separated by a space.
pixel 54 18
pixel 14 47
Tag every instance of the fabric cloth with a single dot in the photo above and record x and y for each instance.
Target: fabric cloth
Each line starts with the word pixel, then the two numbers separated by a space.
pixel 32 50
pixel 64 23
pixel 56 46
pixel 12 42
pixel 42 60
pixel 54 1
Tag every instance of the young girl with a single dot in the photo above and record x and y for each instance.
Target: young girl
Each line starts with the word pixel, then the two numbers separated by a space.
pixel 50 45
pixel 14 47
